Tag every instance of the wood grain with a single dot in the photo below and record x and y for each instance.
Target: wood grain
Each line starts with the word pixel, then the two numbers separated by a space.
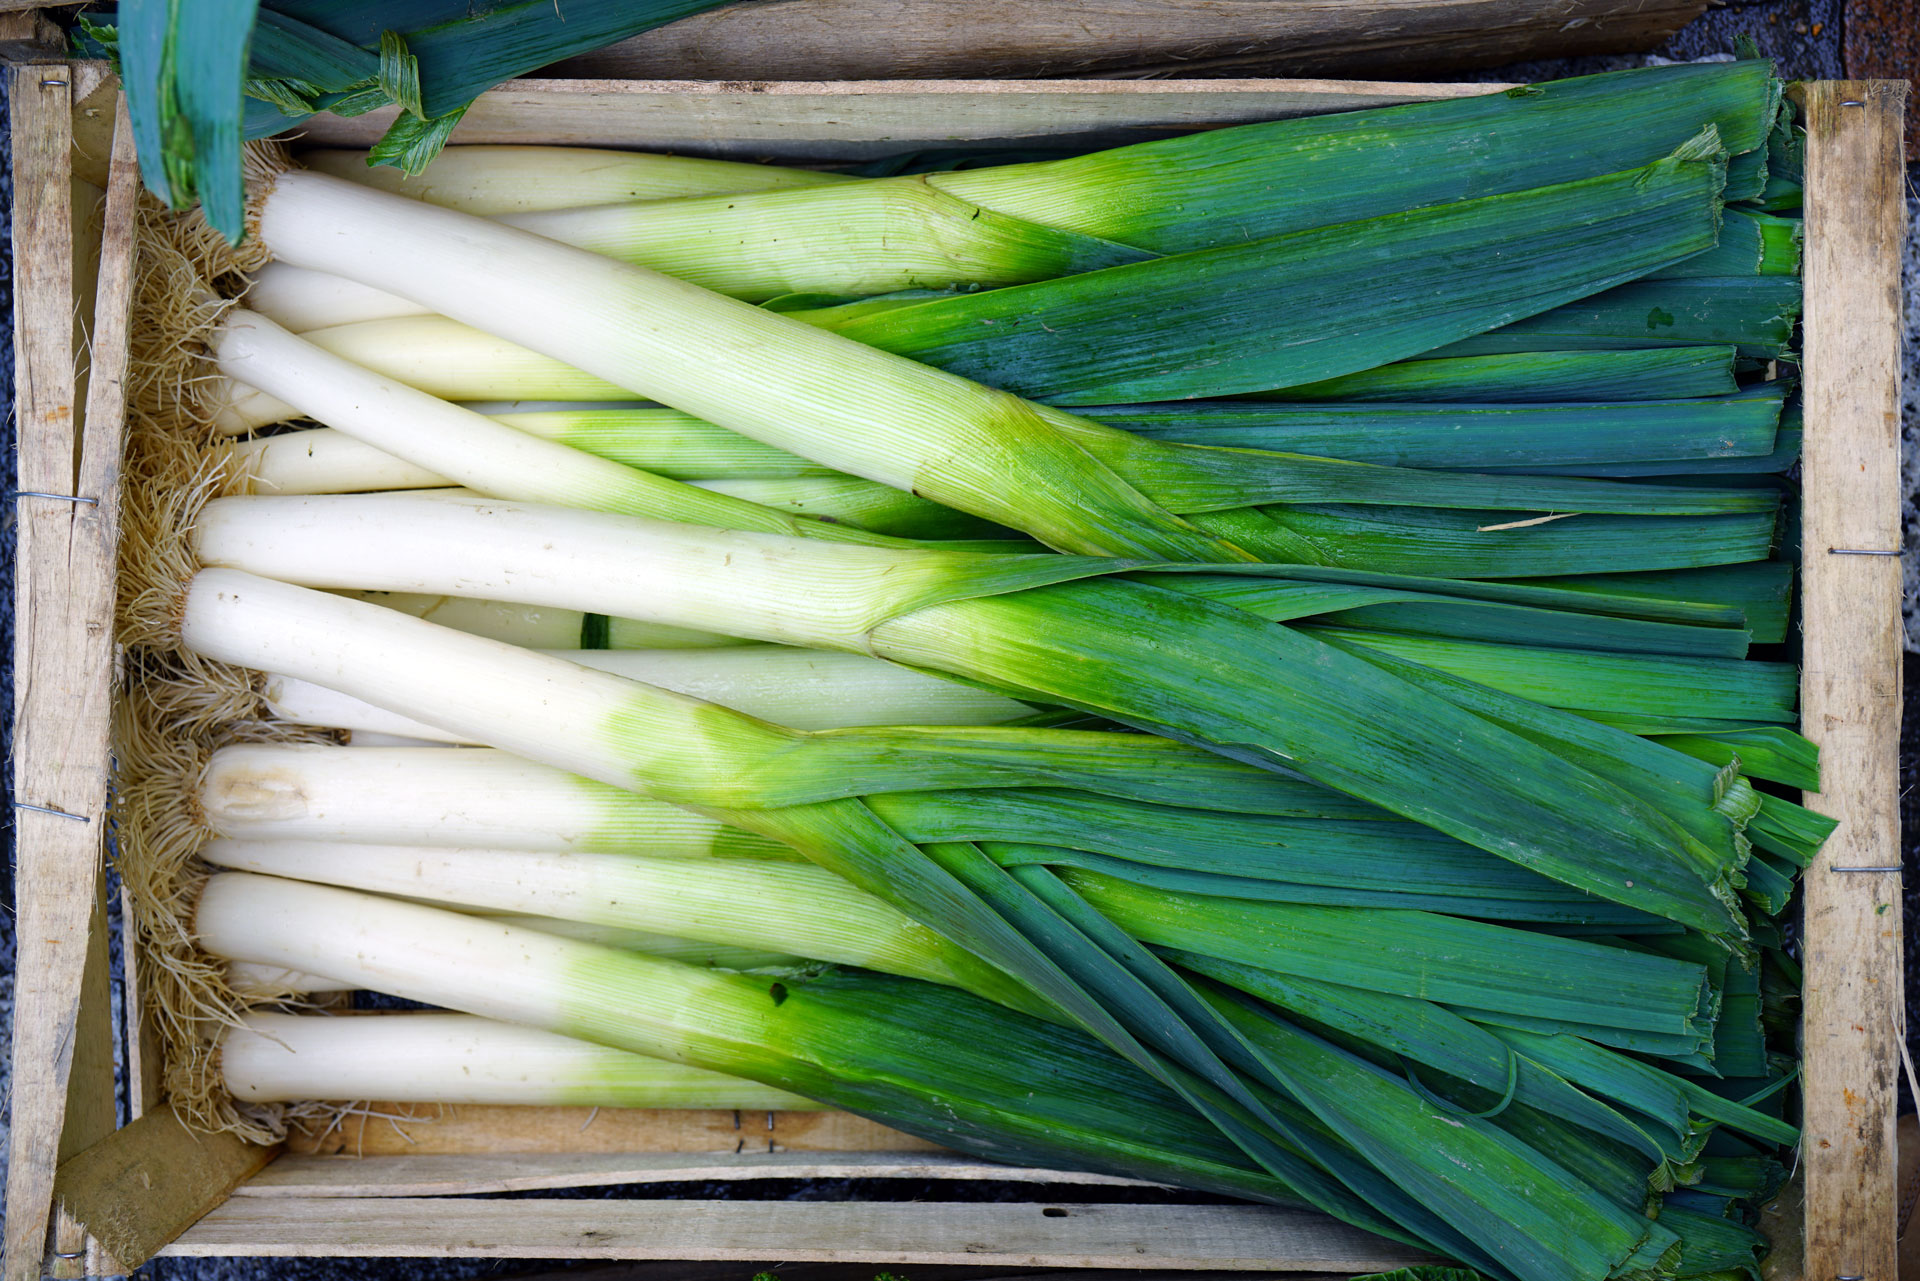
pixel 96 98
pixel 90 1092
pixel 396 1129
pixel 140 1187
pixel 1000 39
pixel 1850 679
pixel 56 857
pixel 413 1176
pixel 65 654
pixel 1220 1237
pixel 28 35
pixel 801 122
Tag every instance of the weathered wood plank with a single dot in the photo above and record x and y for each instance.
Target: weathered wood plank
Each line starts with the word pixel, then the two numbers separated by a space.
pixel 1850 681
pixel 391 1129
pixel 90 1112
pixel 56 854
pixel 677 1270
pixel 141 1042
pixel 1223 1237
pixel 96 97
pixel 141 1186
pixel 415 1176
pixel 28 35
pixel 797 122
pixel 103 255
pixel 1001 39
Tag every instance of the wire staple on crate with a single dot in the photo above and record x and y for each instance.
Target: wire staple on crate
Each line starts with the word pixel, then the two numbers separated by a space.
pixel 47 809
pixel 61 498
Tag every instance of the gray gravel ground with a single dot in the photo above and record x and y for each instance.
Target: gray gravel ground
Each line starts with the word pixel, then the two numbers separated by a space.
pixel 1804 35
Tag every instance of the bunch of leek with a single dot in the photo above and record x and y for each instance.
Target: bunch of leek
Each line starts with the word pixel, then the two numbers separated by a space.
pixel 1338 751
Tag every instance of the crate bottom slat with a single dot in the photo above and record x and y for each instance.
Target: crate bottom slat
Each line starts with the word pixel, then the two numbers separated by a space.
pixel 439 1174
pixel 393 1129
pixel 1220 1237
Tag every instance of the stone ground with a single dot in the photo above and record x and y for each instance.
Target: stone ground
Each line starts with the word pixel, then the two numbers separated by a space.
pixel 1805 36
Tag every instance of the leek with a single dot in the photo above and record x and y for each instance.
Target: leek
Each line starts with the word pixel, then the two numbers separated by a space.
pixel 782 906
pixel 535 628
pixel 1336 856
pixel 490 180
pixel 1285 311
pixel 1470 436
pixel 466 365
pixel 457 1058
pixel 1548 376
pixel 431 797
pixel 801 689
pixel 1161 640
pixel 862 238
pixel 1751 244
pixel 1064 495
pixel 1753 314
pixel 960 1072
pixel 1230 185
pixel 471 448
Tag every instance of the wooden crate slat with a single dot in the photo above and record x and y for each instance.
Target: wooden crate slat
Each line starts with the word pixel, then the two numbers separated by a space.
pixel 138 1188
pixel 104 254
pixel 810 120
pixel 57 857
pixel 1850 675
pixel 387 1129
pixel 1235 1237
pixel 996 39
pixel 415 1176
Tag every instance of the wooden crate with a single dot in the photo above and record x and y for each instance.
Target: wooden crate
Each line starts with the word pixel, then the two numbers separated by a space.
pixel 386 1187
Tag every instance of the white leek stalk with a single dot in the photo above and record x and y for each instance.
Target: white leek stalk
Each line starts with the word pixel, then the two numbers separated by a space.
pixel 851 407
pixel 239 409
pixel 666 442
pixel 799 688
pixel 322 461
pixel 303 300
pixel 458 1058
pixel 374 738
pixel 786 591
pixel 540 627
pixel 719 956
pixel 436 797
pixel 325 461
pixel 253 982
pixel 787 907
pixel 495 179
pixel 476 966
pixel 853 240
pixel 469 448
pixel 270 982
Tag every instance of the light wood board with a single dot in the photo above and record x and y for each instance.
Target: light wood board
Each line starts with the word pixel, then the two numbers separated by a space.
pixel 56 855
pixel 1235 1237
pixel 391 1129
pixel 348 1176
pixel 1850 678
pixel 140 1187
pixel 815 121
pixel 28 35
pixel 1001 39
pixel 63 1084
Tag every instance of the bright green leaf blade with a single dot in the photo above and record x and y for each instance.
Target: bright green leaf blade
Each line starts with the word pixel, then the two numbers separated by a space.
pixel 1286 310
pixel 1678 373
